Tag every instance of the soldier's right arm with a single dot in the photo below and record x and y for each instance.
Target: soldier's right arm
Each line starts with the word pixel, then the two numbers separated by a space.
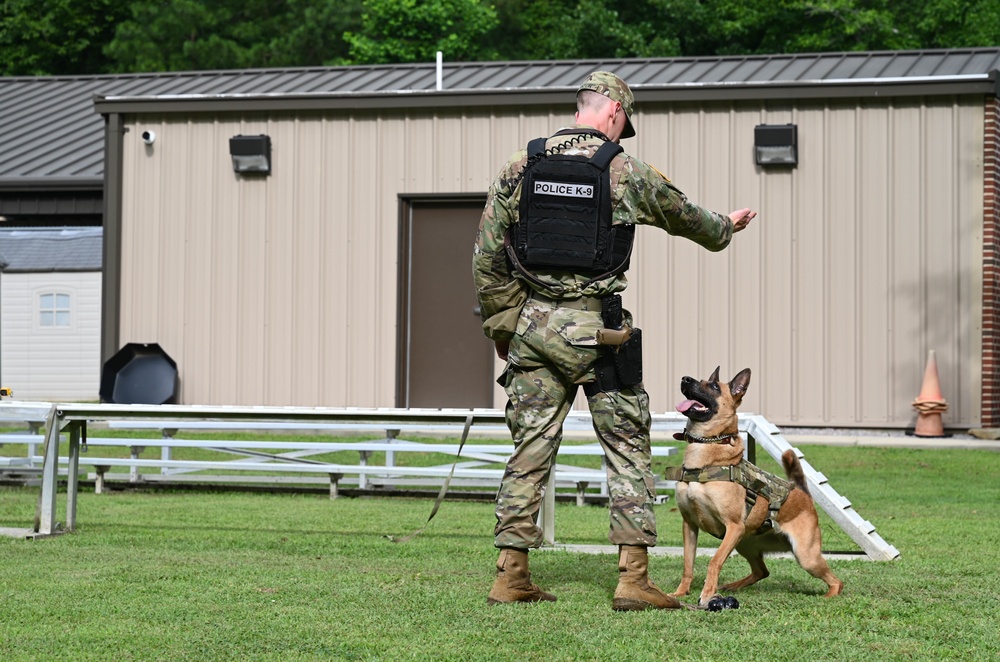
pixel 656 201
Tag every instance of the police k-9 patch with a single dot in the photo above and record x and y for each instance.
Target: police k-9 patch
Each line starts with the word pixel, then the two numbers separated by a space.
pixel 564 189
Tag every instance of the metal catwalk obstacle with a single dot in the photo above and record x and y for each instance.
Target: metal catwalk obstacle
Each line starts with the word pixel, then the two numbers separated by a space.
pixel 71 419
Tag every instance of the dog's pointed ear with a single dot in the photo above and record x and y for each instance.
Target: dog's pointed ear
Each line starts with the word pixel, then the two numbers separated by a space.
pixel 739 384
pixel 715 375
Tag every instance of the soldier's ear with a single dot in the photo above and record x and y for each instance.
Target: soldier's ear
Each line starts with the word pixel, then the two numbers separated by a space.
pixel 739 384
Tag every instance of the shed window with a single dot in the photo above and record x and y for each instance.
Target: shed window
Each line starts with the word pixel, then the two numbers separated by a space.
pixel 54 309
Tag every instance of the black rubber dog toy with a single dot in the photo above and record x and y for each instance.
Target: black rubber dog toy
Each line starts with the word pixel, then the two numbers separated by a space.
pixel 718 603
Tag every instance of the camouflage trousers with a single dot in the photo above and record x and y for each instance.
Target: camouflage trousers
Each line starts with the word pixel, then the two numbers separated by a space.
pixel 546 365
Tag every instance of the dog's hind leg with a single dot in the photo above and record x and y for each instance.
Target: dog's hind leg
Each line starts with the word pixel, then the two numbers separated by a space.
pixel 758 570
pixel 815 565
pixel 803 532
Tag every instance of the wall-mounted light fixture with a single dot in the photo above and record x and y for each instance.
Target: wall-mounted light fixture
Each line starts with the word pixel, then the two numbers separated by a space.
pixel 251 154
pixel 776 144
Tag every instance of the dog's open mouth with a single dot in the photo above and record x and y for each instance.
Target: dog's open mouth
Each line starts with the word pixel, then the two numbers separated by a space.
pixel 691 406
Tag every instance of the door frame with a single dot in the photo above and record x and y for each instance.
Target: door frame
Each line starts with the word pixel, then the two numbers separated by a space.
pixel 405 206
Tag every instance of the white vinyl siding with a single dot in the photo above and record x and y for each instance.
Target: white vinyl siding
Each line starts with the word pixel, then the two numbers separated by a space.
pixel 51 362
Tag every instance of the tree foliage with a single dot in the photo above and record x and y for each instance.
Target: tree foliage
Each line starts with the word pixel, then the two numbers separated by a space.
pixel 57 36
pixel 101 36
pixel 574 29
pixel 414 30
pixel 232 34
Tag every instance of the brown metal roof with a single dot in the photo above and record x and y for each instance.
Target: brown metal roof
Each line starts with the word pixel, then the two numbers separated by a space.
pixel 50 133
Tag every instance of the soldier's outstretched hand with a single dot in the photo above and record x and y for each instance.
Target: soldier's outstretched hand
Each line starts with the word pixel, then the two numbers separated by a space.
pixel 741 218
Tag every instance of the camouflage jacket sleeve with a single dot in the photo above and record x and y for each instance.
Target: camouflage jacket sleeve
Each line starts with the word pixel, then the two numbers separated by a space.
pixel 500 294
pixel 651 199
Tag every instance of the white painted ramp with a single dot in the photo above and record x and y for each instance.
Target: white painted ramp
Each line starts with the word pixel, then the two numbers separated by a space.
pixel 839 508
pixel 759 432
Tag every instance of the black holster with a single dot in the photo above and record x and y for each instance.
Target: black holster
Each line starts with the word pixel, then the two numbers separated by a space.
pixel 618 367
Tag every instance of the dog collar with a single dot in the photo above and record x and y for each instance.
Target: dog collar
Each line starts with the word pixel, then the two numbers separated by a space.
pixel 687 436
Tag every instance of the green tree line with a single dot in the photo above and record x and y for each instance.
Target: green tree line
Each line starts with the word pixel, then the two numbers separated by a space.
pixel 71 37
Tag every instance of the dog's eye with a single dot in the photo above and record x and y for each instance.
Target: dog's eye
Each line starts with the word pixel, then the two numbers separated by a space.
pixel 714 386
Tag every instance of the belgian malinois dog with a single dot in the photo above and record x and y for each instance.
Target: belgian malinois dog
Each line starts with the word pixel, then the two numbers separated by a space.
pixel 714 498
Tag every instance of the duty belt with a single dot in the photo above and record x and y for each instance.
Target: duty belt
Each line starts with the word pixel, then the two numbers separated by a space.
pixel 582 303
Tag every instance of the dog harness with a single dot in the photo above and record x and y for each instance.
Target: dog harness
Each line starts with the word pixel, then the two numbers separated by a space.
pixel 755 480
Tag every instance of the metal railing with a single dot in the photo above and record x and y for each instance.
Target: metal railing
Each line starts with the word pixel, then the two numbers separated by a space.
pixel 72 419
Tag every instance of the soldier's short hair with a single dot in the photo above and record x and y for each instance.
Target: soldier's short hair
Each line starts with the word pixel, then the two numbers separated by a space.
pixel 590 99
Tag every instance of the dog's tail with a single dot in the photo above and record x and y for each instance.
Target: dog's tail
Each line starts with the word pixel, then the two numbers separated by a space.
pixel 793 469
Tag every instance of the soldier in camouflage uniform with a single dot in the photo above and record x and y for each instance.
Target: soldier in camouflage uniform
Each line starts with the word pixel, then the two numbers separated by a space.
pixel 546 330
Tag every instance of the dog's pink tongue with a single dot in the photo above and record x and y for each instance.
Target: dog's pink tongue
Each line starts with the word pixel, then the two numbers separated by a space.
pixel 684 406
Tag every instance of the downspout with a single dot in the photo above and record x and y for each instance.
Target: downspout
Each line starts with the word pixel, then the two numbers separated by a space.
pixel 114 132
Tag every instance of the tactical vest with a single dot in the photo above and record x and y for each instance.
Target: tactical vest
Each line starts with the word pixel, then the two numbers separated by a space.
pixel 565 214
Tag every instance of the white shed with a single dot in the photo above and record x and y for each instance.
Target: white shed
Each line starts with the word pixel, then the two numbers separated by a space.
pixel 50 312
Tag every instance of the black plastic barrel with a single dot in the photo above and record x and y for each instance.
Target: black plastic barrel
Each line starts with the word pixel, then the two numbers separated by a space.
pixel 139 374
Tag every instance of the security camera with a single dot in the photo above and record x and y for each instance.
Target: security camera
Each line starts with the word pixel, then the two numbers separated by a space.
pixel 148 137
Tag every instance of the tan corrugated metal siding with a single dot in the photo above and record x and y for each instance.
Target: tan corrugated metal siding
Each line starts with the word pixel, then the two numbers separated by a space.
pixel 864 257
pixel 283 290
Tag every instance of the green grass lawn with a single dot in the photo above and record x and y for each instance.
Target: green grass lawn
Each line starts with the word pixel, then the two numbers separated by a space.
pixel 180 575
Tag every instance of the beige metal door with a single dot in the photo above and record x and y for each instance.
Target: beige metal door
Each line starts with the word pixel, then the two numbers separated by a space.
pixel 445 359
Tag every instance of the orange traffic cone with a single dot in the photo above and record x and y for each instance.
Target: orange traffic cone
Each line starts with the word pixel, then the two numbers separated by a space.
pixel 931 388
pixel 930 404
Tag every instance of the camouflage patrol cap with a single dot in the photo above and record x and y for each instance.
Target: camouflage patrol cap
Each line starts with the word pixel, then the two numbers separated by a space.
pixel 613 87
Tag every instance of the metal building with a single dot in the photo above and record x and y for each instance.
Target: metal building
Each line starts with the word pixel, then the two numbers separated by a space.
pixel 342 277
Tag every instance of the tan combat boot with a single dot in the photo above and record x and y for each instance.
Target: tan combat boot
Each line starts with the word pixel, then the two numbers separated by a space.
pixel 513 583
pixel 636 591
